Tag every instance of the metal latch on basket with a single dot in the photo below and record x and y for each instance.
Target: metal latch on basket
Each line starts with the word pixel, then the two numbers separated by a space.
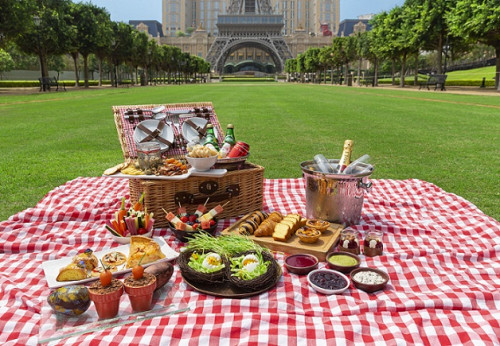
pixel 207 190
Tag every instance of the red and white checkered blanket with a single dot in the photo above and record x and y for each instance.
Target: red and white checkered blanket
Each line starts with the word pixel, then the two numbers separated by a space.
pixel 441 253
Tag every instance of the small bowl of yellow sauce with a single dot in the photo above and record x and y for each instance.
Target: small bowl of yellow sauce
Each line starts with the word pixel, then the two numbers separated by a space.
pixel 343 262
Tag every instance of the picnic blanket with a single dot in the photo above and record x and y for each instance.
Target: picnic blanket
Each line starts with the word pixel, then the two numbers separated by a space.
pixel 440 251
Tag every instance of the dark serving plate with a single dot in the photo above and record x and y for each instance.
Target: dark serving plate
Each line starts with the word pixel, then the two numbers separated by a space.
pixel 184 236
pixel 226 290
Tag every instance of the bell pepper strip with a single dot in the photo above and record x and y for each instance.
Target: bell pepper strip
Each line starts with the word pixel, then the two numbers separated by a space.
pixel 146 220
pixel 123 227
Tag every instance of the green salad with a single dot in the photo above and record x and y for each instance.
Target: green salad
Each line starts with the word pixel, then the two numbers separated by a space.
pixel 209 262
pixel 248 267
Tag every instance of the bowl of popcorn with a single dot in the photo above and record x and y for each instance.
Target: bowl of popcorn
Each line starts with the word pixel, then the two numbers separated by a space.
pixel 369 279
pixel 201 158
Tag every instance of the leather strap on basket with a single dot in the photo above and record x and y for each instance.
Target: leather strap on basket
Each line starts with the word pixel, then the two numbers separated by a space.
pixel 201 130
pixel 155 134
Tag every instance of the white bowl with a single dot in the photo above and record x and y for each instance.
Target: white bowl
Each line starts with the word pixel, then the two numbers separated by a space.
pixel 202 163
pixel 126 240
pixel 325 290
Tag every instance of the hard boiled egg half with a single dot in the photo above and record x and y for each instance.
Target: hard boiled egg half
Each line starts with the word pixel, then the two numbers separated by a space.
pixel 250 262
pixel 212 261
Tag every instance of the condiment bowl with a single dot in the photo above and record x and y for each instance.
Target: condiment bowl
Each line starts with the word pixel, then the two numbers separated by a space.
pixel 369 287
pixel 328 276
pixel 301 264
pixel 341 263
pixel 202 163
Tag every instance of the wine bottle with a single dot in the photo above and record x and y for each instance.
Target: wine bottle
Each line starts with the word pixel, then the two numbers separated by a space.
pixel 210 139
pixel 229 142
pixel 323 164
pixel 352 166
pixel 345 160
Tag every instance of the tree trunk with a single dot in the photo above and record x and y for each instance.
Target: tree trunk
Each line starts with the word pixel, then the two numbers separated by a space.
pixel 85 70
pixel 359 71
pixel 415 81
pixel 100 71
pixel 75 61
pixel 440 55
pixel 403 71
pixel 497 74
pixel 393 72
pixel 375 72
pixel 331 75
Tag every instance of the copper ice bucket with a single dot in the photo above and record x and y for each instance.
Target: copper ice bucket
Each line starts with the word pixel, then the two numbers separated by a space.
pixel 336 198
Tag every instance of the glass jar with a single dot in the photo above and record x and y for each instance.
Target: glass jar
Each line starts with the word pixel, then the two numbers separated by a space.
pixel 349 241
pixel 149 156
pixel 373 244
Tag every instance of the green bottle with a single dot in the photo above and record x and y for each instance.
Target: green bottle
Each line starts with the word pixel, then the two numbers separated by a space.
pixel 210 139
pixel 229 142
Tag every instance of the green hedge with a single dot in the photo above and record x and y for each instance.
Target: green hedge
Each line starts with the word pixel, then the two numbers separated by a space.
pixel 33 83
pixel 248 79
pixel 476 83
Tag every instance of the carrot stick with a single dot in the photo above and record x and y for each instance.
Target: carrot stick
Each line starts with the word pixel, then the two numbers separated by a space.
pixel 138 205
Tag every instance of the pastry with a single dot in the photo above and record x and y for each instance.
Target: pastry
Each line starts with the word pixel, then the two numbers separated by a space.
pixel 96 272
pixel 143 248
pixel 72 272
pixel 266 228
pixel 114 258
pixel 87 259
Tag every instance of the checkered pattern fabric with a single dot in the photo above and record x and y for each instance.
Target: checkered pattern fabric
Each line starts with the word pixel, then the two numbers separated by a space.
pixel 440 251
pixel 178 148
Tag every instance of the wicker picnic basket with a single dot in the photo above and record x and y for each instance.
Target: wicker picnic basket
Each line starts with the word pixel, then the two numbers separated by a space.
pixel 242 188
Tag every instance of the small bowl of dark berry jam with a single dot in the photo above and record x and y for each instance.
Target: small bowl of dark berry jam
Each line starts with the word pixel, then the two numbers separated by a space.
pixel 301 264
pixel 328 281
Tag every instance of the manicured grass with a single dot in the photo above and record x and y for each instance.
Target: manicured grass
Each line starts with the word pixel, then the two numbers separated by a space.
pixel 449 140
pixel 474 74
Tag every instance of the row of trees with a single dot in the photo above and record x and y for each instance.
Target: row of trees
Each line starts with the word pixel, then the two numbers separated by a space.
pixel 48 28
pixel 444 26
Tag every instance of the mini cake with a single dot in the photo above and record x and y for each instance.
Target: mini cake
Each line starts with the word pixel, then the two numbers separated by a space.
pixel 372 245
pixel 87 258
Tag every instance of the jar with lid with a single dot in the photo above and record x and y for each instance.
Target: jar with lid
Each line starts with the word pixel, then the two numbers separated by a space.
pixel 349 241
pixel 149 156
pixel 373 244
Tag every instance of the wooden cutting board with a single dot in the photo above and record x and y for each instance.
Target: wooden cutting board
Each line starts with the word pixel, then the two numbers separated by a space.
pixel 325 243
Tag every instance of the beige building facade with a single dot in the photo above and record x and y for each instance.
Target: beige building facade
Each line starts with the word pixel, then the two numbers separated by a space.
pixel 303 21
pixel 307 15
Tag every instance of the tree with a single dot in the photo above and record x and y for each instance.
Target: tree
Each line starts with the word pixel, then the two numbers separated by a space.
pixel 478 20
pixel 103 40
pixel 345 50
pixel 326 60
pixel 121 47
pixel 48 33
pixel 13 19
pixel 139 51
pixel 87 19
pixel 6 62
pixel 311 61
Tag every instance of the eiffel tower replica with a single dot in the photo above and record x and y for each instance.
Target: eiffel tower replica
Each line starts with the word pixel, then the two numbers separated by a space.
pixel 249 23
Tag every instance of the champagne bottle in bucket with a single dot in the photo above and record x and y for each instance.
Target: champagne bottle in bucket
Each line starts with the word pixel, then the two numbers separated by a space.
pixel 345 160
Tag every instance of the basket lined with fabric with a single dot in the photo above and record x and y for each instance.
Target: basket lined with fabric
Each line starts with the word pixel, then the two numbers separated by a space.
pixel 195 276
pixel 258 283
pixel 126 123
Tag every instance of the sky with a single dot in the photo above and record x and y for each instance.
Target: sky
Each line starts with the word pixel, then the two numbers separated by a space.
pixel 125 10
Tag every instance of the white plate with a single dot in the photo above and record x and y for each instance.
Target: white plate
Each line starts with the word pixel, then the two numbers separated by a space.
pixel 167 133
pixel 191 134
pixel 218 172
pixel 51 268
pixel 152 176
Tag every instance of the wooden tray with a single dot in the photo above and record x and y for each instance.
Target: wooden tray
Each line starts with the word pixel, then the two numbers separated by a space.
pixel 319 249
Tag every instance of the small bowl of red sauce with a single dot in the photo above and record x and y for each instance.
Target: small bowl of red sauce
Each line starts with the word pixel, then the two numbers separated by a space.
pixel 301 264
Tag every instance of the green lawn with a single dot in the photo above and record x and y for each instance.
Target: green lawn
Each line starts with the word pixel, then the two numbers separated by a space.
pixel 449 140
pixel 474 74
